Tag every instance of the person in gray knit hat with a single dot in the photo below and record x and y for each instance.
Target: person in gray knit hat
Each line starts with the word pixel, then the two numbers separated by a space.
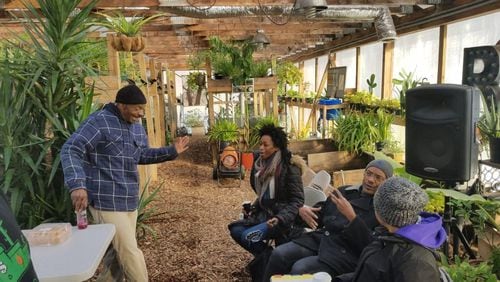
pixel 402 248
pixel 399 201
pixel 339 224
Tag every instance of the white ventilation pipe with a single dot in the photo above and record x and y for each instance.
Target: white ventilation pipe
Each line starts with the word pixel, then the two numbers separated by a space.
pixel 380 15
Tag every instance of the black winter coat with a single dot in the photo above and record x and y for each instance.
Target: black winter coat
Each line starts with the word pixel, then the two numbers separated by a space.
pixel 338 242
pixel 289 196
pixel 392 258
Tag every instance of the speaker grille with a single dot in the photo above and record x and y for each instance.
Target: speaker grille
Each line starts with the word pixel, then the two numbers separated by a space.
pixel 440 141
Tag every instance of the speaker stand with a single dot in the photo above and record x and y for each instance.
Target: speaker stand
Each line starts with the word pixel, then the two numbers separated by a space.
pixel 450 225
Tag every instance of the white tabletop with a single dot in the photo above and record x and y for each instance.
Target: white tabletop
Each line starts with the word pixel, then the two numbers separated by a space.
pixel 75 259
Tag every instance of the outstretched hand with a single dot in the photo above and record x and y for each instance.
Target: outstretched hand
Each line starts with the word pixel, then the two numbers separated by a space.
pixel 180 144
pixel 342 204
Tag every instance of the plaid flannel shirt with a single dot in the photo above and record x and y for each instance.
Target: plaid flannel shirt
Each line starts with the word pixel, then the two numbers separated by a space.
pixel 102 156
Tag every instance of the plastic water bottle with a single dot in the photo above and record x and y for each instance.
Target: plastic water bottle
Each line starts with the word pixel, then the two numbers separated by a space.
pixel 81 219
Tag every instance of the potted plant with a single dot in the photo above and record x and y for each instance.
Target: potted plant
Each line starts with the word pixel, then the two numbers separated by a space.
pixel 232 59
pixel 224 131
pixel 489 126
pixel 383 121
pixel 354 131
pixel 196 80
pixel 127 30
pixel 403 83
pixel 288 74
pixel 371 83
pixel 260 68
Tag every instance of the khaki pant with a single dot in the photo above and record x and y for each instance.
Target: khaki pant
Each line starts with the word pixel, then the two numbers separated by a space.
pixel 124 259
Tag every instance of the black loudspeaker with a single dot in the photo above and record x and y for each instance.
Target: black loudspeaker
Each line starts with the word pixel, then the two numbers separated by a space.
pixel 440 132
pixel 481 66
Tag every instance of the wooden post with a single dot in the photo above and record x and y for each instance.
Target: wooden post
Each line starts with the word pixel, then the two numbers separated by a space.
pixel 139 57
pixel 443 35
pixel 172 102
pixel 161 101
pixel 156 104
pixel 387 64
pixel 113 58
pixel 358 63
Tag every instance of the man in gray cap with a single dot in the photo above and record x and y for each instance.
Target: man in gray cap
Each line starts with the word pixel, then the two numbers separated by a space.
pixel 404 244
pixel 333 246
pixel 100 170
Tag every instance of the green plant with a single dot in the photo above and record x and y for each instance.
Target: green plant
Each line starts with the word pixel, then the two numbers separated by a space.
pixel 405 82
pixel 233 59
pixel 223 130
pixel 465 272
pixel 481 213
pixel 288 74
pixel 260 69
pixel 146 212
pixel 489 122
pixel 371 83
pixel 436 202
pixel 494 261
pixel 354 131
pixel 42 102
pixel 383 121
pixel 123 25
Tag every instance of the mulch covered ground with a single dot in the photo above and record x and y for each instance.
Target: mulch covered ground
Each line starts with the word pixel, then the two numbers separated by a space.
pixel 193 243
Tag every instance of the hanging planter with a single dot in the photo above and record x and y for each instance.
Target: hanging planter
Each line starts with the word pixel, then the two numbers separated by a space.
pixel 127 30
pixel 128 44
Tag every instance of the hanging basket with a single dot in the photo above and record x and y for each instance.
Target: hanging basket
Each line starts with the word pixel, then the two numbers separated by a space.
pixel 128 44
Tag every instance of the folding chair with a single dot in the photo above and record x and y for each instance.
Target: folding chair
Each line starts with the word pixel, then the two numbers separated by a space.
pixel 313 193
pixel 321 181
pixel 313 196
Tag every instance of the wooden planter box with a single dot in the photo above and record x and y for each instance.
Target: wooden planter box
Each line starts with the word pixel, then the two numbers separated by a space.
pixel 486 242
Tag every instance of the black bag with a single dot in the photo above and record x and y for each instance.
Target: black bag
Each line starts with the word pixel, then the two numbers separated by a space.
pixel 257 266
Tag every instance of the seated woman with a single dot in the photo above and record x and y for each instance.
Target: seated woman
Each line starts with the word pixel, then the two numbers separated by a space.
pixel 277 182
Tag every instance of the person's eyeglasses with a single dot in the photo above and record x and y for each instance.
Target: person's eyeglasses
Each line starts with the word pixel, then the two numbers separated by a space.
pixel 377 177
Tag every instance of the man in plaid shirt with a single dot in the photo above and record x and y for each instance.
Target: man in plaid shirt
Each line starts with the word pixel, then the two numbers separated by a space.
pixel 100 168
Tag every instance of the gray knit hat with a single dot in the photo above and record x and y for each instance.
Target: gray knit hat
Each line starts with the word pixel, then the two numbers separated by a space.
pixel 383 165
pixel 398 201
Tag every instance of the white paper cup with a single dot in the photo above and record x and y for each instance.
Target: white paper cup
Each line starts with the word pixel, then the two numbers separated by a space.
pixel 321 277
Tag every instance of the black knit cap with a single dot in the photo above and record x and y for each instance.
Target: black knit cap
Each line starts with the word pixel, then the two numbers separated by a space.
pixel 131 95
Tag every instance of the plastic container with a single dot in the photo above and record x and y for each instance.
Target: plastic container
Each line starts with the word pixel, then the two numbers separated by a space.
pixel 48 234
pixel 81 219
pixel 331 114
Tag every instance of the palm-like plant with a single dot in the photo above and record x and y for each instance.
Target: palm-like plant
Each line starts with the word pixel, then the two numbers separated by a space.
pixel 126 29
pixel 127 26
pixel 489 123
pixel 43 81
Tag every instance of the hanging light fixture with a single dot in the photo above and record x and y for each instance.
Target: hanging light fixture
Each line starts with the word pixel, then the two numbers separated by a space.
pixel 310 7
pixel 260 39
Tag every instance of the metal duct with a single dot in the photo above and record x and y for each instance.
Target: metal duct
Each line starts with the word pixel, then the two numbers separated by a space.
pixel 227 12
pixel 384 25
pixel 381 16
